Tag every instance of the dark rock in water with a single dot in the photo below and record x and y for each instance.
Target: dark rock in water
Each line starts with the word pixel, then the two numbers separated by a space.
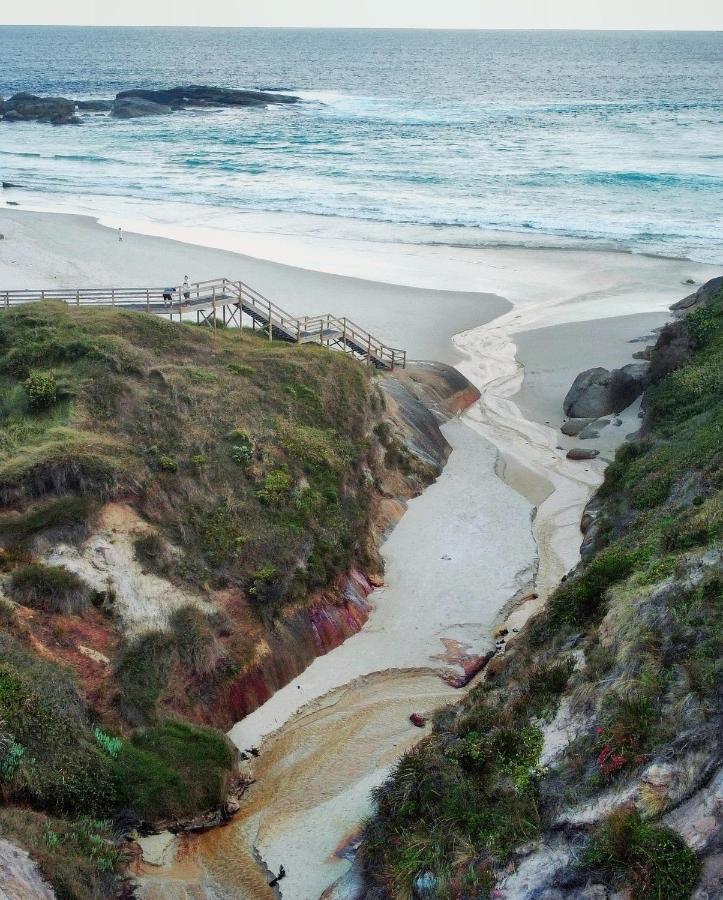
pixel 582 453
pixel 573 427
pixel 599 392
pixel 134 109
pixel 28 108
pixel 9 184
pixel 418 720
pixel 95 105
pixel 203 95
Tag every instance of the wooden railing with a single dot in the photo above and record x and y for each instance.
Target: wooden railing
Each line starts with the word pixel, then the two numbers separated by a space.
pixel 217 293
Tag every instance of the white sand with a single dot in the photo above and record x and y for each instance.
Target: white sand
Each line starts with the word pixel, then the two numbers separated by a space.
pixel 41 250
pixel 317 769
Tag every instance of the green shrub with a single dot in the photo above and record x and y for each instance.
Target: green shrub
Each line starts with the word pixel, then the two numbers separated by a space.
pixel 242 454
pixel 142 671
pixel 203 376
pixel 109 744
pixel 651 862
pixel 60 767
pixel 42 390
pixel 276 487
pixel 51 588
pixel 167 463
pixel 174 769
pixel 265 587
pixel 236 369
pixel 195 639
pixel 578 600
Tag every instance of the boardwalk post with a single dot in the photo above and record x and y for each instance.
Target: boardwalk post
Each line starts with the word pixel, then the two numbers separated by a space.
pixel 369 350
pixel 112 296
pixel 77 298
pixel 213 304
pixel 148 301
pixel 271 329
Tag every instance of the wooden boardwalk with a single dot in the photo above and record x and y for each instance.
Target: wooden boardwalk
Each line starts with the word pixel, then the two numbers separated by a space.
pixel 221 301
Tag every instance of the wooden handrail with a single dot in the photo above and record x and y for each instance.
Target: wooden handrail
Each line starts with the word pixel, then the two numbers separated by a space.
pixel 223 291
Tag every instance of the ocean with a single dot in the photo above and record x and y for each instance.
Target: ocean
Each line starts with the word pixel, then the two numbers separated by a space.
pixel 592 139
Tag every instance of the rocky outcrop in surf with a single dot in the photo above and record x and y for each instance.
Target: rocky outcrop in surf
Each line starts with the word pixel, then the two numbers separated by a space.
pixel 135 103
pixel 25 107
pixel 199 95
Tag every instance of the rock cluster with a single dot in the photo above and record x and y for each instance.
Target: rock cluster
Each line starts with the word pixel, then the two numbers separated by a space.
pixel 24 107
pixel 194 95
pixel 29 108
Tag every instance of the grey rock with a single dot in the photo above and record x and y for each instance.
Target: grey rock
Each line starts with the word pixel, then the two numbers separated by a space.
pixel 205 95
pixel 600 392
pixel 25 107
pixel 593 429
pixel 95 105
pixel 589 395
pixel 573 427
pixel 20 878
pixel 643 354
pixel 133 109
pixel 582 453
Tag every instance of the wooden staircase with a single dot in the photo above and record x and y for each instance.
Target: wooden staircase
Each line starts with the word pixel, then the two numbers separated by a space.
pixel 224 302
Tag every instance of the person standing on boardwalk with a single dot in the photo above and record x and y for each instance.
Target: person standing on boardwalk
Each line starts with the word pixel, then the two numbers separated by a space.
pixel 186 289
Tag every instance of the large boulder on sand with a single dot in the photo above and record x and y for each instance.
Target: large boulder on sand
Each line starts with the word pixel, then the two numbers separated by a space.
pixel 582 453
pixel 28 107
pixel 132 108
pixel 573 427
pixel 600 392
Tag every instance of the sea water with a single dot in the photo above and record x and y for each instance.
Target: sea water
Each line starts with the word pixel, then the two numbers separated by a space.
pixel 593 139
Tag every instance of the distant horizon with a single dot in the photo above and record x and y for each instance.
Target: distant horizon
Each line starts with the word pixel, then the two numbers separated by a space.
pixel 412 15
pixel 622 28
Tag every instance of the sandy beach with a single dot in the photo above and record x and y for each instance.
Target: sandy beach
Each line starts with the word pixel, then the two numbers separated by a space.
pixel 503 518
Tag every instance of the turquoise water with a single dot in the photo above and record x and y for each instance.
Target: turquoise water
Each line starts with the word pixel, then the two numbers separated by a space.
pixel 610 139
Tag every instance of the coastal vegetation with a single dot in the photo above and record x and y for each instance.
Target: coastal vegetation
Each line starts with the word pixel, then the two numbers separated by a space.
pixel 624 661
pixel 242 476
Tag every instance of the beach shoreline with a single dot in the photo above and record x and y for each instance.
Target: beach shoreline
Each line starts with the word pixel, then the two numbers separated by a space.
pixel 503 517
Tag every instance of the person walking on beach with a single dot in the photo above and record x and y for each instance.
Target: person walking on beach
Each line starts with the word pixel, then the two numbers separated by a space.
pixel 186 289
pixel 120 234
